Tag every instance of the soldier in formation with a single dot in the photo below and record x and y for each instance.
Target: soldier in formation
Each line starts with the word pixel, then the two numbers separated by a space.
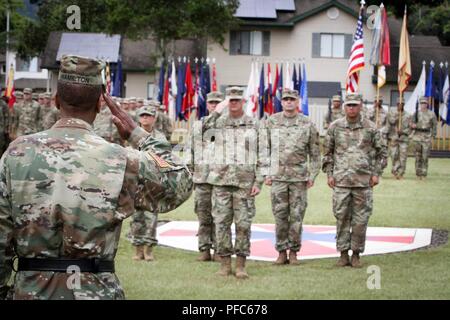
pixel 334 112
pixel 235 182
pixel 293 142
pixel 354 159
pixel 424 126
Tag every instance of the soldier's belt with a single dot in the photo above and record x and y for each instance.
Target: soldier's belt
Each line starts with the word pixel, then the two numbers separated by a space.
pixel 423 130
pixel 61 265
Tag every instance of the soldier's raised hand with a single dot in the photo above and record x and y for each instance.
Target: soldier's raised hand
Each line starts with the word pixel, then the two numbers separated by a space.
pixel 124 123
pixel 222 105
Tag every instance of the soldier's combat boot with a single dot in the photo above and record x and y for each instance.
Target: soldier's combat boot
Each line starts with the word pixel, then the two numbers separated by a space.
pixel 139 255
pixel 148 253
pixel 216 257
pixel 344 260
pixel 240 267
pixel 293 258
pixel 356 262
pixel 225 266
pixel 204 256
pixel 282 258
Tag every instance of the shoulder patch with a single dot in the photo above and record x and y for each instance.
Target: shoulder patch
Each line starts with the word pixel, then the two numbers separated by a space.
pixel 158 160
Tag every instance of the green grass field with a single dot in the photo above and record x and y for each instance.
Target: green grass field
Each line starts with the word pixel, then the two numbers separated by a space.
pixel 422 274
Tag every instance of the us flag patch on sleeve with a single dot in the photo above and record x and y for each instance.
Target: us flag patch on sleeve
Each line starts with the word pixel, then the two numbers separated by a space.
pixel 158 160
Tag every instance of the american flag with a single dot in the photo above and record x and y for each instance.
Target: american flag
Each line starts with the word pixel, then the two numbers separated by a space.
pixel 356 61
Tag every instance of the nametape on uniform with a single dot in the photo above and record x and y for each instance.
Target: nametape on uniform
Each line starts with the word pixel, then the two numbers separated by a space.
pixel 158 160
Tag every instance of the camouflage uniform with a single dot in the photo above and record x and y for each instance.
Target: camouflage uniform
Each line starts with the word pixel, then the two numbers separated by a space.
pixel 232 183
pixel 143 222
pixel 398 140
pixel 104 126
pixel 4 126
pixel 60 199
pixel 423 134
pixel 336 113
pixel 201 148
pixel 164 123
pixel 297 140
pixel 372 116
pixel 27 118
pixel 347 158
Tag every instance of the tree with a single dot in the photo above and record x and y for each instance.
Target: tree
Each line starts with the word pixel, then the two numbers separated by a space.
pixel 162 20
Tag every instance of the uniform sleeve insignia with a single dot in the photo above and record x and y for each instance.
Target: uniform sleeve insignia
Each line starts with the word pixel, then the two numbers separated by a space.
pixel 158 160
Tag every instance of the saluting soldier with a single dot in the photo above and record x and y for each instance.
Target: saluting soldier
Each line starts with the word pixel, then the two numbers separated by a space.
pixel 235 181
pixel 64 193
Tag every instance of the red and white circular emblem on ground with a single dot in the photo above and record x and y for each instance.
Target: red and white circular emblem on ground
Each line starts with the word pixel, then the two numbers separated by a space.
pixel 317 241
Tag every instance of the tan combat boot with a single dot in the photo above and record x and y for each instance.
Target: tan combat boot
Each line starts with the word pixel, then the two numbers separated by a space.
pixel 148 253
pixel 240 267
pixel 204 256
pixel 344 260
pixel 225 266
pixel 139 255
pixel 216 257
pixel 356 262
pixel 282 258
pixel 293 258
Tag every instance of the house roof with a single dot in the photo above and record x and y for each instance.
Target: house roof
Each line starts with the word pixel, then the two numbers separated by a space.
pixel 137 55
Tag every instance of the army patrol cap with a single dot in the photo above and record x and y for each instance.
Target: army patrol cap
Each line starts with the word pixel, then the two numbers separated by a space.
pixel 140 100
pixel 154 103
pixel 353 98
pixel 27 91
pixel 41 96
pixel 131 99
pixel 215 96
pixel 423 100
pixel 82 70
pixel 18 94
pixel 235 93
pixel 150 110
pixel 47 95
pixel 288 93
pixel 336 98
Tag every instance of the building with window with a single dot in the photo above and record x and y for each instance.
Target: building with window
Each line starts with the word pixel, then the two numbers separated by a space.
pixel 320 34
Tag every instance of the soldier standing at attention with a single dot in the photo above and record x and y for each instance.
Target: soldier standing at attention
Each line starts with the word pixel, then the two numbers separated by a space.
pixel 64 193
pixel 27 116
pixel 350 144
pixel 336 112
pixel 200 145
pixel 298 142
pixel 235 181
pixel 163 121
pixel 377 114
pixel 398 138
pixel 49 113
pixel 424 127
pixel 143 222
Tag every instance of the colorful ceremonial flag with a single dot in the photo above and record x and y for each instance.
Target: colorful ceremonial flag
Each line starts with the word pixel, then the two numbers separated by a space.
pixel 294 77
pixel 252 91
pixel 173 90
pixel 214 76
pixel 444 108
pixel 117 88
pixel 404 58
pixel 304 93
pixel 380 54
pixel 268 98
pixel 162 72
pixel 429 89
pixel 188 98
pixel 261 89
pixel 289 84
pixel 201 103
pixel 108 78
pixel 10 91
pixel 299 86
pixel 418 92
pixel 279 88
pixel 356 61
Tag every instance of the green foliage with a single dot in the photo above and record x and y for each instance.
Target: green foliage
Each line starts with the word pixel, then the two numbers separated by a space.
pixel 137 19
